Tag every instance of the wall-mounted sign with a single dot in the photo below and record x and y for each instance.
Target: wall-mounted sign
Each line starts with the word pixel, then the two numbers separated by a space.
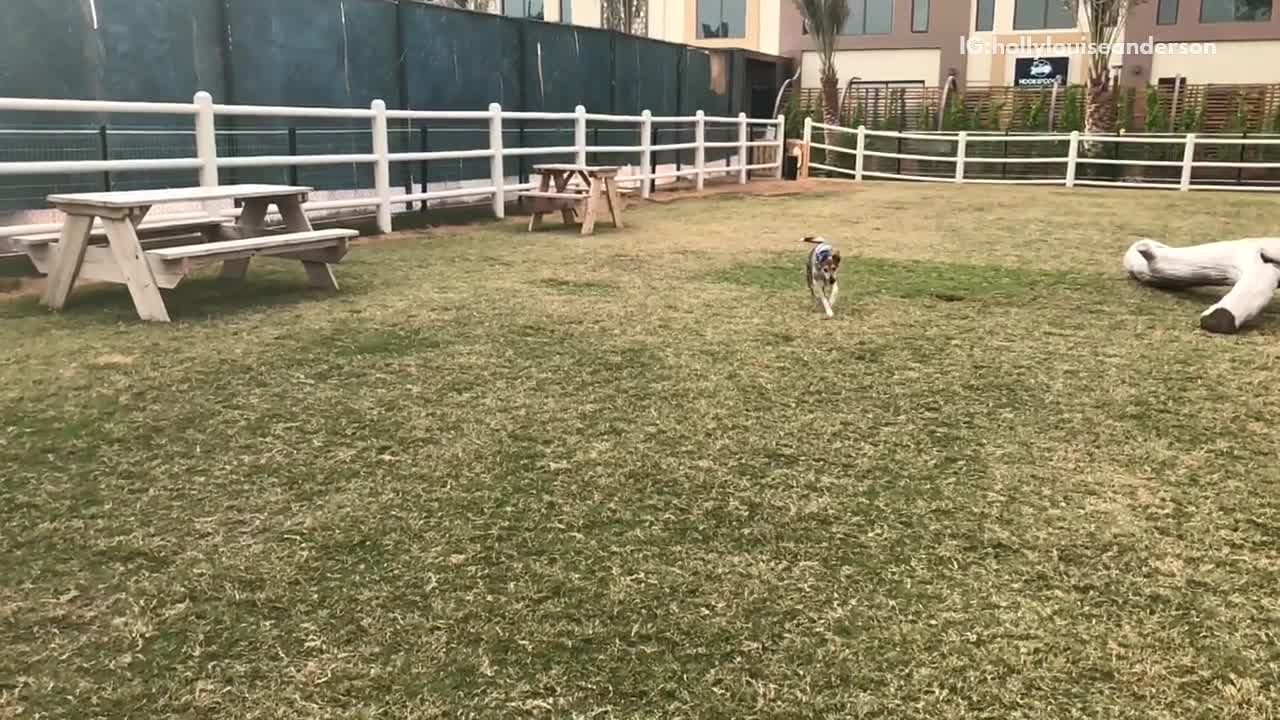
pixel 1036 72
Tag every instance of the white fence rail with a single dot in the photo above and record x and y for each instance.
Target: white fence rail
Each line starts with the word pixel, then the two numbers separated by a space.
pixel 207 163
pixel 1071 162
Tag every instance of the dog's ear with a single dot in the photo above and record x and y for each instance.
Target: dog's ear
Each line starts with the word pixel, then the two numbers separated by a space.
pixel 835 258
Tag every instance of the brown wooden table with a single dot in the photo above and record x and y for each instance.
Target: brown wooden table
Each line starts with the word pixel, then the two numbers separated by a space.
pixel 600 184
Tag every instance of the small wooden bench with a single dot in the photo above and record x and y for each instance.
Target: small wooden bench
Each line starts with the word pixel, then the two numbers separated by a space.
pixel 316 249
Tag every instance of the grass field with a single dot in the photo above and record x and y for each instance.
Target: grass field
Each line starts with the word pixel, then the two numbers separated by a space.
pixel 634 476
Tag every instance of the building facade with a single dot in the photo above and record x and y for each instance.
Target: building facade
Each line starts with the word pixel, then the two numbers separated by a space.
pixel 978 42
pixel 1245 35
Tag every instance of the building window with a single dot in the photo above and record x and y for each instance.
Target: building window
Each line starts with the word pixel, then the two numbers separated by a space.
pixel 566 11
pixel 869 17
pixel 1212 11
pixel 722 18
pixel 523 8
pixel 1042 15
pixel 1167 12
pixel 919 16
pixel 986 19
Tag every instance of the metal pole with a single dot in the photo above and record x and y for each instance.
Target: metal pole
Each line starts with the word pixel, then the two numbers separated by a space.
pixel 1004 166
pixel 424 141
pixel 1115 155
pixel 1053 106
pixel 293 152
pixel 1240 171
pixel 104 152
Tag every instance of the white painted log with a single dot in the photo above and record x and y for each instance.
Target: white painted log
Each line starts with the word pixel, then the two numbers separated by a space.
pixel 1251 267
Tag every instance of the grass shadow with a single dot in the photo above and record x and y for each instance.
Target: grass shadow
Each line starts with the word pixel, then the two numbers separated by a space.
pixel 197 298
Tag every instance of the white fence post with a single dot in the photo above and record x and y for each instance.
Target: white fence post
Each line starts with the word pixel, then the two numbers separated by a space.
pixel 646 155
pixel 381 164
pixel 496 169
pixel 1188 162
pixel 962 143
pixel 1073 155
pixel 782 145
pixel 700 153
pixel 806 148
pixel 206 140
pixel 743 162
pixel 580 134
pixel 859 159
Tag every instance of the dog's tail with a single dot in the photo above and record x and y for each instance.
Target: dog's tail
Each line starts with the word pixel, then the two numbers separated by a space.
pixel 814 240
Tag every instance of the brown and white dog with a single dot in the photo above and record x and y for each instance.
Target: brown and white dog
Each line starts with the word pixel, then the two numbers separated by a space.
pixel 820 274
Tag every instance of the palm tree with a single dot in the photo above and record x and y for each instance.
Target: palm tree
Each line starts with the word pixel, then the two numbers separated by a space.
pixel 628 16
pixel 825 18
pixel 1103 20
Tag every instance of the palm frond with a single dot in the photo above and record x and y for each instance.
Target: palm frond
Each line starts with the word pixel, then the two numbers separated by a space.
pixel 825 19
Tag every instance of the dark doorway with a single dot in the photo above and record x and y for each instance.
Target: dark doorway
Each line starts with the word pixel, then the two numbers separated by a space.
pixel 762 88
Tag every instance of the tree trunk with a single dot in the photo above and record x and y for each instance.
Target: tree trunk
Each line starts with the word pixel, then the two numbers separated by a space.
pixel 1099 107
pixel 1100 113
pixel 1251 266
pixel 830 106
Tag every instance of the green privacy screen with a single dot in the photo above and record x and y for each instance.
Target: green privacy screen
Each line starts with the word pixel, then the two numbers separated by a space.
pixel 342 53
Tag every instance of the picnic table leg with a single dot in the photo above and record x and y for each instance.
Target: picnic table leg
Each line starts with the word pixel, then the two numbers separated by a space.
pixel 535 217
pixel 615 202
pixel 252 216
pixel 568 215
pixel 132 261
pixel 593 206
pixel 67 261
pixel 295 218
pixel 319 274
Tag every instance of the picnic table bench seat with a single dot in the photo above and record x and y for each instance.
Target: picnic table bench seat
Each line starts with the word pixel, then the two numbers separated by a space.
pixel 147 230
pixel 283 244
pixel 565 195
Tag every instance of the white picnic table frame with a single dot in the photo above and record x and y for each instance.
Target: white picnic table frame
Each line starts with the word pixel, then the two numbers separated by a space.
pixel 122 212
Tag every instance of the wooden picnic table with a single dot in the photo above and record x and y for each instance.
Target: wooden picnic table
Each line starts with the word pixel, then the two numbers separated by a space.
pixel 125 260
pixel 600 183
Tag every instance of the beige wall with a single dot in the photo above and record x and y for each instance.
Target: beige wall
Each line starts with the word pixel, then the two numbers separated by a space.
pixel 676 21
pixel 876 66
pixel 996 69
pixel 666 19
pixel 585 12
pixel 1235 62
pixel 770 26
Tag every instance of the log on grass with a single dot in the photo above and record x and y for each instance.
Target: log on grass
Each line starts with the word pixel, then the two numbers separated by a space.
pixel 1250 266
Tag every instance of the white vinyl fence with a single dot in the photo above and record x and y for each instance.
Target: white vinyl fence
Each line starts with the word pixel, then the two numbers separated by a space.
pixel 207 163
pixel 1076 156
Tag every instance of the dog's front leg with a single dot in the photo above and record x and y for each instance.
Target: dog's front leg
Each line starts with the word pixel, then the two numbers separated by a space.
pixel 835 290
pixel 823 304
pixel 819 302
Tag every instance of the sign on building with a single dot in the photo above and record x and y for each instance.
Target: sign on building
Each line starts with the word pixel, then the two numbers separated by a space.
pixel 1038 72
